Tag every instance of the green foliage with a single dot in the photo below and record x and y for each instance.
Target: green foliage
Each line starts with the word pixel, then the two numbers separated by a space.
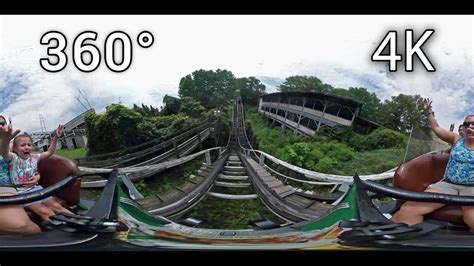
pixel 372 162
pixel 318 156
pixel 326 165
pixel 402 112
pixel 250 89
pixel 211 89
pixel 322 155
pixel 304 84
pixel 216 89
pixel 72 154
pixel 337 150
pixel 399 113
pixel 146 111
pixel 121 127
pixel 371 104
pixel 269 139
pixel 169 179
pixel 115 129
pixel 344 134
pixel 230 214
pixel 192 108
pixel 185 105
pixel 301 154
pixel 380 138
pixel 168 125
pixel 171 105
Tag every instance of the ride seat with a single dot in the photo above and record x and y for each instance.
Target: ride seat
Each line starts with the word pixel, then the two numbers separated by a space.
pixel 54 169
pixel 418 174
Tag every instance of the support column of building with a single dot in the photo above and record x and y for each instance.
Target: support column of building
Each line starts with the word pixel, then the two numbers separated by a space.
pixel 318 126
pixel 284 122
pixel 298 125
pixel 339 110
pixel 324 109
pixel 354 114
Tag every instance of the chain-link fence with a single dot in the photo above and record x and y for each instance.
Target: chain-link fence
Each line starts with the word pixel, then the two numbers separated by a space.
pixel 422 141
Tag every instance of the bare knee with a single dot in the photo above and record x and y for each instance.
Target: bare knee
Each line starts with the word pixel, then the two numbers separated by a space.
pixel 468 216
pixel 56 207
pixel 28 227
pixel 14 220
pixel 42 211
pixel 21 226
pixel 410 207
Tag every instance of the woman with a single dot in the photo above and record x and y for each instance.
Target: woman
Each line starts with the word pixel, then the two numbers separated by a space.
pixel 458 178
pixel 13 218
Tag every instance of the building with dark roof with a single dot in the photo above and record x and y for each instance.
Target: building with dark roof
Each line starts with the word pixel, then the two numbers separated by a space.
pixel 75 135
pixel 309 112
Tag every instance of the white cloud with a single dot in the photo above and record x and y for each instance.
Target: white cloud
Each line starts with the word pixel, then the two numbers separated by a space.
pixel 337 49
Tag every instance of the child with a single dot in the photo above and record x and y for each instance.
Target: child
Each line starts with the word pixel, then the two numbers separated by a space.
pixel 23 166
pixel 13 218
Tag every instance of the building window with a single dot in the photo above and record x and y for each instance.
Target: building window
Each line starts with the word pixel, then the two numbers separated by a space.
pixel 345 113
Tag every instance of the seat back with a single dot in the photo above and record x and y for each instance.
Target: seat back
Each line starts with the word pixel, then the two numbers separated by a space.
pixel 418 174
pixel 56 168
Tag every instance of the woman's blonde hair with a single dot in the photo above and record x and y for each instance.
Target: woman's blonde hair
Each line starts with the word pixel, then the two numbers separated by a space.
pixel 19 137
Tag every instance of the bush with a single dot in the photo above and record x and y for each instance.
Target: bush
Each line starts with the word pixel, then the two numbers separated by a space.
pixel 326 165
pixel 381 138
pixel 299 154
pixel 338 151
pixel 120 127
pixel 317 156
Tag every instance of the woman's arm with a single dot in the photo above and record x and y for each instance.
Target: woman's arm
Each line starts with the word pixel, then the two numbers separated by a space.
pixel 6 135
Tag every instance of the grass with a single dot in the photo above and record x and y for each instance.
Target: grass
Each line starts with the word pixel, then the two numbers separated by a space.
pixel 364 163
pixel 269 139
pixel 168 179
pixel 373 162
pixel 229 214
pixel 72 154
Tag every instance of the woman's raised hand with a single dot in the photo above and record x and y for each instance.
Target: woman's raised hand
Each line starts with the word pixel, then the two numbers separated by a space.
pixel 427 104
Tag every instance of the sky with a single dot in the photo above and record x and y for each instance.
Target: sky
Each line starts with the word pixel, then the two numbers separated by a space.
pixel 336 49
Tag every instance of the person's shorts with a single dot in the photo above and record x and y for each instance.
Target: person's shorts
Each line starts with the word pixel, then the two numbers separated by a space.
pixel 6 191
pixel 453 189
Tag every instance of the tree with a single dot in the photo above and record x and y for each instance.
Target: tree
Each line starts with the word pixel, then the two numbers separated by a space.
pixel 211 89
pixel 304 84
pixel 192 108
pixel 146 111
pixel 121 127
pixel 370 102
pixel 402 112
pixel 185 105
pixel 171 105
pixel 250 89
pixel 113 130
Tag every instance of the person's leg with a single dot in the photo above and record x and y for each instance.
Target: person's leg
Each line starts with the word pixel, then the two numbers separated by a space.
pixel 42 211
pixel 14 220
pixel 468 211
pixel 412 212
pixel 468 216
pixel 55 206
